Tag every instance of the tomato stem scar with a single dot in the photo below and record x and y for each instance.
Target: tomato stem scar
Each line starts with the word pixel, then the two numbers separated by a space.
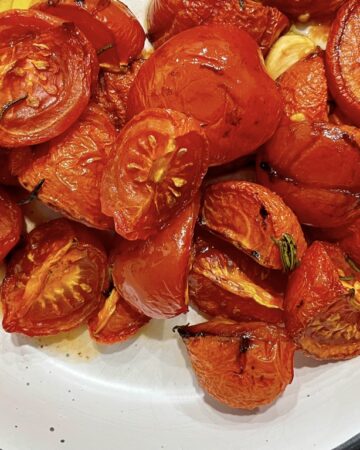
pixel 104 48
pixel 5 108
pixel 33 194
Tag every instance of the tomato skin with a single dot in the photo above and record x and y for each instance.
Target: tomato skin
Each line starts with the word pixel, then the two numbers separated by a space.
pixel 155 170
pixel 55 282
pixel 214 74
pixel 253 219
pixel 342 56
pixel 152 275
pixel 167 18
pixel 11 223
pixel 59 90
pixel 296 8
pixel 72 165
pixel 242 365
pixel 11 163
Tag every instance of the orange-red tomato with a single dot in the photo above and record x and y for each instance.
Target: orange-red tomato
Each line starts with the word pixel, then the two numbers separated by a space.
pixel 315 8
pixel 224 282
pixel 11 162
pixel 154 171
pixel 342 60
pixel 169 17
pixel 255 220
pixel 72 166
pixel 46 82
pixel 56 281
pixel 152 275
pixel 322 304
pixel 11 224
pixel 214 74
pixel 243 365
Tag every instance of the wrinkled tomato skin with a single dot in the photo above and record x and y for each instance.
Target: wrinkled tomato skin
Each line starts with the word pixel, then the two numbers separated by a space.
pixel 214 74
pixel 72 166
pixel 322 304
pixel 155 170
pixel 152 275
pixel 296 8
pixel 51 73
pixel 11 224
pixel 167 18
pixel 242 365
pixel 252 218
pixel 55 281
pixel 224 282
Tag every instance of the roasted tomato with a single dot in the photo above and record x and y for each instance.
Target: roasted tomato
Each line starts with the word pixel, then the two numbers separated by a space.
pixel 304 89
pixel 56 281
pixel 152 275
pixel 11 224
pixel 342 60
pixel 46 82
pixel 108 24
pixel 322 304
pixel 11 162
pixel 115 321
pixel 155 170
pixel 214 74
pixel 167 18
pixel 225 282
pixel 72 166
pixel 243 365
pixel 113 90
pixel 304 9
pixel 255 220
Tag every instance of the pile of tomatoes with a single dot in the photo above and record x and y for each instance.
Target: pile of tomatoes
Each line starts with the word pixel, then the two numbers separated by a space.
pixel 187 177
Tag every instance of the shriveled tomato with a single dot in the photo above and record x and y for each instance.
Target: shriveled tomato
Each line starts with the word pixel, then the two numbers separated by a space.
pixel 72 166
pixel 108 24
pixel 302 8
pixel 167 18
pixel 154 171
pixel 46 82
pixel 152 275
pixel 56 281
pixel 11 224
pixel 214 74
pixel 115 321
pixel 223 281
pixel 342 60
pixel 322 304
pixel 255 220
pixel 243 365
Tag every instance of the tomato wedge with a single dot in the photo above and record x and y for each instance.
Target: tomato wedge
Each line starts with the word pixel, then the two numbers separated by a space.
pixel 11 224
pixel 46 82
pixel 303 8
pixel 72 165
pixel 155 170
pixel 243 365
pixel 152 275
pixel 342 60
pixel 55 282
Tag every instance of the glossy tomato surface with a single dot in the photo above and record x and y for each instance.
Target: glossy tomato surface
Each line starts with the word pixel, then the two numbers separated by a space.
pixel 313 8
pixel 55 282
pixel 11 223
pixel 214 74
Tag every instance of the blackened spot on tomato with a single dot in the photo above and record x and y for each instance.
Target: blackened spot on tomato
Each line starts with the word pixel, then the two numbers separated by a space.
pixel 244 344
pixel 255 254
pixel 263 212
pixel 300 304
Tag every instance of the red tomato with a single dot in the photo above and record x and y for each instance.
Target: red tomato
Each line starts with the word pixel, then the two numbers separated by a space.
pixel 11 224
pixel 342 60
pixel 255 220
pixel 56 281
pixel 72 165
pixel 243 365
pixel 155 170
pixel 169 17
pixel 46 83
pixel 152 275
pixel 314 8
pixel 214 74
pixel 11 162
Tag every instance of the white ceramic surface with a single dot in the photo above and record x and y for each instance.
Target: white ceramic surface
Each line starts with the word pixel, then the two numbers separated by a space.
pixel 69 393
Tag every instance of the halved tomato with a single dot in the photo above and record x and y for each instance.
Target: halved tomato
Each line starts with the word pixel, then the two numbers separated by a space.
pixel 154 171
pixel 255 220
pixel 322 304
pixel 243 365
pixel 342 60
pixel 72 166
pixel 56 281
pixel 46 82
pixel 215 74
pixel 152 275
pixel 306 8
pixel 11 224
